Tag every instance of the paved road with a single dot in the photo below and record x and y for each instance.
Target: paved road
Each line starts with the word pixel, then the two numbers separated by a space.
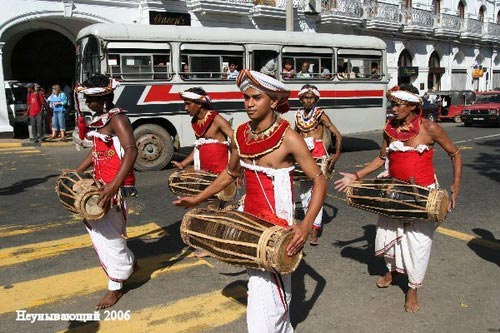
pixel 47 264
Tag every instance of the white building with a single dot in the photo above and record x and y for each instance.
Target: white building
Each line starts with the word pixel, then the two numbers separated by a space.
pixel 432 44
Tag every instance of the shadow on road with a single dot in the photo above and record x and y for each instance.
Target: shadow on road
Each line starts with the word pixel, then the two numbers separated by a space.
pixel 350 144
pixel 488 164
pixel 487 247
pixel 300 306
pixel 23 185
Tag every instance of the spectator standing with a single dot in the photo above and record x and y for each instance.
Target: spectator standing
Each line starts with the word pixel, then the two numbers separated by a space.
pixel 58 102
pixel 36 103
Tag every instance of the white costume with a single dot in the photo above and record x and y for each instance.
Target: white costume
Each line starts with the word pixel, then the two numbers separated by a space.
pixel 405 243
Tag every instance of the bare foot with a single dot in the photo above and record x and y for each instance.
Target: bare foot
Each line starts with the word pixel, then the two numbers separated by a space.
pixel 110 299
pixel 385 281
pixel 411 302
pixel 201 254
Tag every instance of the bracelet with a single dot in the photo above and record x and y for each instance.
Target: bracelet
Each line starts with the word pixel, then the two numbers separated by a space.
pixel 231 174
pixel 382 157
pixel 452 155
pixel 357 176
pixel 317 175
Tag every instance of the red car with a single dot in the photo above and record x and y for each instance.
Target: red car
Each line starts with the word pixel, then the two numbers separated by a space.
pixel 486 110
pixel 450 103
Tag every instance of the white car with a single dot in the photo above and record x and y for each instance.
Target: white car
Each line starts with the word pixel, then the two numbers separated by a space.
pixel 16 95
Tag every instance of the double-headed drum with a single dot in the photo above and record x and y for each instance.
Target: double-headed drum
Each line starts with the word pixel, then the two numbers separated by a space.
pixel 239 238
pixel 188 183
pixel 322 162
pixel 397 199
pixel 79 193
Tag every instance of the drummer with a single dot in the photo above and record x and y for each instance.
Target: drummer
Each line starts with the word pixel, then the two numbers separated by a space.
pixel 113 155
pixel 211 148
pixel 310 122
pixel 407 149
pixel 265 149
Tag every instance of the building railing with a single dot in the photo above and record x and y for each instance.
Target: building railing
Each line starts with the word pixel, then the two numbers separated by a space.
pixel 448 22
pixel 418 17
pixel 492 30
pixel 382 11
pixel 349 8
pixel 472 27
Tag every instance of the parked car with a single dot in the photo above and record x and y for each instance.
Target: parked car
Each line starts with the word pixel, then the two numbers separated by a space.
pixel 16 96
pixel 486 110
pixel 450 103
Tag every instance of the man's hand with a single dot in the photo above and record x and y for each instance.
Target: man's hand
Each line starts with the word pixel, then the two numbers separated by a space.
pixel 178 165
pixel 301 232
pixel 342 184
pixel 107 193
pixel 331 161
pixel 186 202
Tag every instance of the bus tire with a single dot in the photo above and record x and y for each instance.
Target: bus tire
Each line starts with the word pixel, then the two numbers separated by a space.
pixel 155 146
pixel 457 119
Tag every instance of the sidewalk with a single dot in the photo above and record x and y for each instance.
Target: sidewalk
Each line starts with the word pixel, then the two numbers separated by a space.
pixel 26 142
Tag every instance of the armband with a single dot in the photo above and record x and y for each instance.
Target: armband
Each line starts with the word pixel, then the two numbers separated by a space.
pixel 130 146
pixel 357 176
pixel 317 175
pixel 382 157
pixel 453 154
pixel 231 174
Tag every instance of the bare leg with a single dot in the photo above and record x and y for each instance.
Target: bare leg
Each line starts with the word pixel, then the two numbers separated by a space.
pixel 314 237
pixel 386 280
pixel 63 135
pixel 110 299
pixel 411 301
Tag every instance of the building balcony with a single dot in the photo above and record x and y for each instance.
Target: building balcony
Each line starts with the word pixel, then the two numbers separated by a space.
pixel 418 21
pixel 491 32
pixel 447 26
pixel 342 12
pixel 273 9
pixel 382 16
pixel 231 7
pixel 471 29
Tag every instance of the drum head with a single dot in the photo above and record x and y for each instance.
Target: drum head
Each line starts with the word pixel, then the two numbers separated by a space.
pixel 275 240
pixel 88 205
pixel 437 205
pixel 69 185
pixel 228 193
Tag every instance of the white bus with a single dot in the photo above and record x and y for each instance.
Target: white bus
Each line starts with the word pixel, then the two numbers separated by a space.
pixel 154 63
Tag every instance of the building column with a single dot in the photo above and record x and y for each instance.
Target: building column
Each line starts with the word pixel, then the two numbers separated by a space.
pixel 6 130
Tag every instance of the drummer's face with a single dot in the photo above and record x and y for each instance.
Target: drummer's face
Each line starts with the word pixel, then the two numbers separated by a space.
pixel 308 100
pixel 95 103
pixel 402 111
pixel 192 108
pixel 258 104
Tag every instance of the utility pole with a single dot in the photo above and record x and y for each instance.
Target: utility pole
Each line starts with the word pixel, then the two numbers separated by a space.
pixel 289 15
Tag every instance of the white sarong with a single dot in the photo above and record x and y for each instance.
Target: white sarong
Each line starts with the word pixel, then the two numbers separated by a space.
pixel 269 294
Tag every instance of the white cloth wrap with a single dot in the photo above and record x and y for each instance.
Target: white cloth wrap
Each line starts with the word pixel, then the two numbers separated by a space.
pixel 196 152
pixel 269 294
pixel 111 248
pixel 283 198
pixel 309 142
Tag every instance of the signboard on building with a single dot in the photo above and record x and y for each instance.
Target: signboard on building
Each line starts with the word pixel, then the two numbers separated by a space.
pixel 408 71
pixel 166 18
pixel 477 72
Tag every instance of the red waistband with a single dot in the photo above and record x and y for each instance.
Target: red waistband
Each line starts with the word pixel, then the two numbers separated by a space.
pixel 412 164
pixel 213 157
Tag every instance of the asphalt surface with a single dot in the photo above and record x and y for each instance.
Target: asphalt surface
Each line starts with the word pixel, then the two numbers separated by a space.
pixel 333 289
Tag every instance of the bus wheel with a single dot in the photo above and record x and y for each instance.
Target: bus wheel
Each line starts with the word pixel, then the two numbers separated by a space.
pixel 155 145
pixel 457 119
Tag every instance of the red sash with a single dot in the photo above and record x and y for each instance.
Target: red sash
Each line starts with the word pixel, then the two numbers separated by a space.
pixel 200 127
pixel 255 201
pixel 107 162
pixel 319 149
pixel 251 146
pixel 404 165
pixel 213 157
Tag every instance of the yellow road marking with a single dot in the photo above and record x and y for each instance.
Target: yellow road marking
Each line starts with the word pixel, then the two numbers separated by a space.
pixel 54 288
pixel 469 238
pixel 465 147
pixel 14 230
pixel 15 148
pixel 194 314
pixel 10 144
pixel 23 253
pixel 20 152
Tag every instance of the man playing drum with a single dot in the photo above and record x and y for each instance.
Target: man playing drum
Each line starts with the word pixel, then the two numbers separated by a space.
pixel 266 149
pixel 408 150
pixel 310 122
pixel 113 155
pixel 211 151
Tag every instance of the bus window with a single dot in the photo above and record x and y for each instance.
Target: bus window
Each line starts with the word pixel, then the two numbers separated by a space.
pixel 210 62
pixel 91 58
pixel 265 61
pixel 144 66
pixel 314 64
pixel 359 64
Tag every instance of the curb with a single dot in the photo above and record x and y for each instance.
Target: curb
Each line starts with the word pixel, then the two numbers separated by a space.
pixel 32 144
